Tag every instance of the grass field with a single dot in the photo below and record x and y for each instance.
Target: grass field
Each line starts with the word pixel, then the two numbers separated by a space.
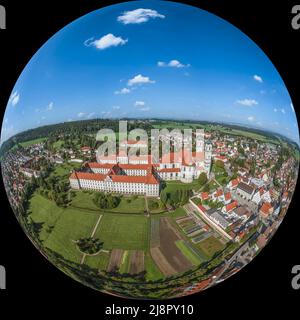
pixel 84 199
pixel 175 125
pixel 58 144
pixel 188 253
pixel 64 170
pixel 128 232
pixel 71 226
pixel 172 186
pixel 44 211
pixel 130 205
pixel 210 246
pixel 179 212
pixel 32 142
pixel 152 271
pixel 99 262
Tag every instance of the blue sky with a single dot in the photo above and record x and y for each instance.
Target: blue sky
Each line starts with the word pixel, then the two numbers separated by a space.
pixel 150 59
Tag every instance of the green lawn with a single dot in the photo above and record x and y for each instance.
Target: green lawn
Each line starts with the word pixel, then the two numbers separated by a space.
pixel 84 199
pixel 188 253
pixel 44 211
pixel 155 206
pixel 128 232
pixel 152 270
pixel 58 144
pixel 210 246
pixel 72 225
pixel 99 262
pixel 64 170
pixel 179 212
pixel 172 186
pixel 130 205
pixel 32 142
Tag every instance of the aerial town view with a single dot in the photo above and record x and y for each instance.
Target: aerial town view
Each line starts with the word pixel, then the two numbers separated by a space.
pixel 193 188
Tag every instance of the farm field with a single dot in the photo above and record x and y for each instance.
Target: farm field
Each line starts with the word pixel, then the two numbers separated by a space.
pixel 210 246
pixel 153 272
pixel 188 253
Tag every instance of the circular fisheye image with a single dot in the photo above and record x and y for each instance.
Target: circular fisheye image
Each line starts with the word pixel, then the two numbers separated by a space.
pixel 149 150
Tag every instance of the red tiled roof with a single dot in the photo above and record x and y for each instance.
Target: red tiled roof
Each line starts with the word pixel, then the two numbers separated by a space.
pixel 266 207
pixel 234 182
pixel 231 206
pixel 227 196
pixel 169 170
pixel 204 195
pixel 121 165
pixel 149 179
pixel 88 176
pixel 219 193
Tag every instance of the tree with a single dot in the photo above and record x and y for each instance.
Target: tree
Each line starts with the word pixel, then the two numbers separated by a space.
pixel 202 179
pixel 219 164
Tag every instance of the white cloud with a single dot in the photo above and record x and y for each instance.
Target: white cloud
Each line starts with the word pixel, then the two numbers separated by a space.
pixel 173 64
pixel 50 106
pixel 292 107
pixel 85 115
pixel 250 118
pixel 247 102
pixel 139 79
pixel 123 91
pixel 105 42
pixel 15 98
pixel 116 107
pixel 282 111
pixel 139 103
pixel 139 16
pixel 275 109
pixel 144 109
pixel 90 115
pixel 258 78
pixel 81 114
